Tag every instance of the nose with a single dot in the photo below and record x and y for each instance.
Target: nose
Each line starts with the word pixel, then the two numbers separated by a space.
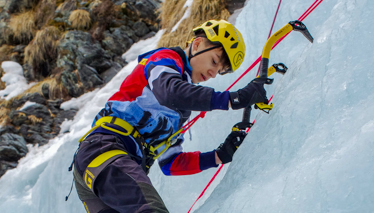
pixel 213 72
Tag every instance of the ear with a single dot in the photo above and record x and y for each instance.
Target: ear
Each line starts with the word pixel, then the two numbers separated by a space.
pixel 196 43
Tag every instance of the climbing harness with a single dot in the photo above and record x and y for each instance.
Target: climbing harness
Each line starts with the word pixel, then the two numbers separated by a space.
pixel 153 149
pixel 149 151
pixel 104 121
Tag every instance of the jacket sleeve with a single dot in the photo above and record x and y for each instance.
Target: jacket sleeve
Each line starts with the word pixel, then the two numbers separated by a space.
pixel 186 163
pixel 165 80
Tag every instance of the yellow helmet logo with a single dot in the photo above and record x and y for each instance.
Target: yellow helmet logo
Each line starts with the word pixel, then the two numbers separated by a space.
pixel 238 59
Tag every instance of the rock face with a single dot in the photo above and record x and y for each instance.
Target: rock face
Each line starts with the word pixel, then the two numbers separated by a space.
pixel 12 148
pixel 79 52
pixel 80 55
pixel 114 25
pixel 233 5
pixel 35 124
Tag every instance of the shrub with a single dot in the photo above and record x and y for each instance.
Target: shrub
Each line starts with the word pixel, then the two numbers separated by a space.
pixel 22 28
pixel 80 20
pixel 42 50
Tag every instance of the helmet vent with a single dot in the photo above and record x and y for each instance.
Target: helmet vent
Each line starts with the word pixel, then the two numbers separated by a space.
pixel 208 24
pixel 216 29
pixel 232 39
pixel 234 45
pixel 227 34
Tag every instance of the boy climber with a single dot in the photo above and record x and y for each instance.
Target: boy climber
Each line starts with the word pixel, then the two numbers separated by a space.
pixel 153 102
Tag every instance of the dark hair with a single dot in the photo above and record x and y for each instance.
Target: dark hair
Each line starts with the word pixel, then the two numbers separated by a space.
pixel 224 60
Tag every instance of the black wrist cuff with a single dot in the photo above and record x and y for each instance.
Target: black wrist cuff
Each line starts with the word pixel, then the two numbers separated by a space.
pixel 223 156
pixel 234 100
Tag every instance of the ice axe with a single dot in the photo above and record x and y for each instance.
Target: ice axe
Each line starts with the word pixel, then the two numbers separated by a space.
pixel 264 71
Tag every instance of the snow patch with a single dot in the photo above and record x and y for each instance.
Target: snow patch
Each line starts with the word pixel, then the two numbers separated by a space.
pixel 27 104
pixel 14 80
pixel 186 14
pixel 142 47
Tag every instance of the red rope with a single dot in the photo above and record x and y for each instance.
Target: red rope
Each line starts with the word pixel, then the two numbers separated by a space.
pixel 206 187
pixel 302 17
pixel 271 29
pixel 275 17
pixel 202 114
pixel 190 123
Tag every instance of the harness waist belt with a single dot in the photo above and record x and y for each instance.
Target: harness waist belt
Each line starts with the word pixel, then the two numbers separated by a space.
pixel 153 150
pixel 129 130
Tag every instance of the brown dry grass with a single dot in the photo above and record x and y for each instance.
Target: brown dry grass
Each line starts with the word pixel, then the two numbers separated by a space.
pixel 24 5
pixel 56 90
pixel 21 114
pixel 23 27
pixel 2 85
pixel 4 118
pixel 171 12
pixel 43 48
pixel 44 11
pixel 52 115
pixel 103 15
pixel 5 51
pixel 59 2
pixel 80 20
pixel 34 119
pixel 201 11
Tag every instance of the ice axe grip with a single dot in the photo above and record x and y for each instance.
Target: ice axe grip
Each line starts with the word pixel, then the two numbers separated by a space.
pixel 247 114
pixel 245 123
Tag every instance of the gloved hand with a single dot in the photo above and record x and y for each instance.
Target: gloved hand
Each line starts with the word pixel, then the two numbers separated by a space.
pixel 226 150
pixel 253 93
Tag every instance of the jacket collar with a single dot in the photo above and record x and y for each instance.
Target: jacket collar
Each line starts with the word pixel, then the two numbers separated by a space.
pixel 186 63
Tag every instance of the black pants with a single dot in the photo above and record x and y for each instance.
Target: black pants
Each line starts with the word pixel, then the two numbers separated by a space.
pixel 122 186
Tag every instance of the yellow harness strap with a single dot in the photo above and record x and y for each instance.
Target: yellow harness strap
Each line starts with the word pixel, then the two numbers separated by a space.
pixel 98 164
pixel 154 151
pixel 130 130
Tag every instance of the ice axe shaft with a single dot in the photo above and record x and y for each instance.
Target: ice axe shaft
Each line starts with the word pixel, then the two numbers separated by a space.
pixel 264 73
pixel 292 25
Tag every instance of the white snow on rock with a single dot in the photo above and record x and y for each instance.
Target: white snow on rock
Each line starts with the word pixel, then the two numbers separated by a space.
pixel 14 80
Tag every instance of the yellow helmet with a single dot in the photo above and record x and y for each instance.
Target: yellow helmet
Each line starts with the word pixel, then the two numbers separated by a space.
pixel 229 37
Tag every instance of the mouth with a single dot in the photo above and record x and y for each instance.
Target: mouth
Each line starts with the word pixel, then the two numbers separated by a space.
pixel 203 78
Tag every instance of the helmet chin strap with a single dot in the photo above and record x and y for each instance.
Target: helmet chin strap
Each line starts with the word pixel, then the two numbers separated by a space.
pixel 198 53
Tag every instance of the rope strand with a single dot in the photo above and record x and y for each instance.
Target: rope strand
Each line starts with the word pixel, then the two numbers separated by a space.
pixel 302 17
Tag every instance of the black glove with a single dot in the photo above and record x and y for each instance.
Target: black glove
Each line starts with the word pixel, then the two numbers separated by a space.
pixel 253 93
pixel 226 150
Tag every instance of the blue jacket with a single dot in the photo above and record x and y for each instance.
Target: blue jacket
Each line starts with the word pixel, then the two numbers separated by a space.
pixel 157 99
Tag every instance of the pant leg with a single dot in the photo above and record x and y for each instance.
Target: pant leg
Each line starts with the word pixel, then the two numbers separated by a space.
pixel 122 185
pixel 90 201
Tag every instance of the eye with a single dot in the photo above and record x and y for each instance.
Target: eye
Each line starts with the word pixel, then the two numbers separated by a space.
pixel 225 71
pixel 214 62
